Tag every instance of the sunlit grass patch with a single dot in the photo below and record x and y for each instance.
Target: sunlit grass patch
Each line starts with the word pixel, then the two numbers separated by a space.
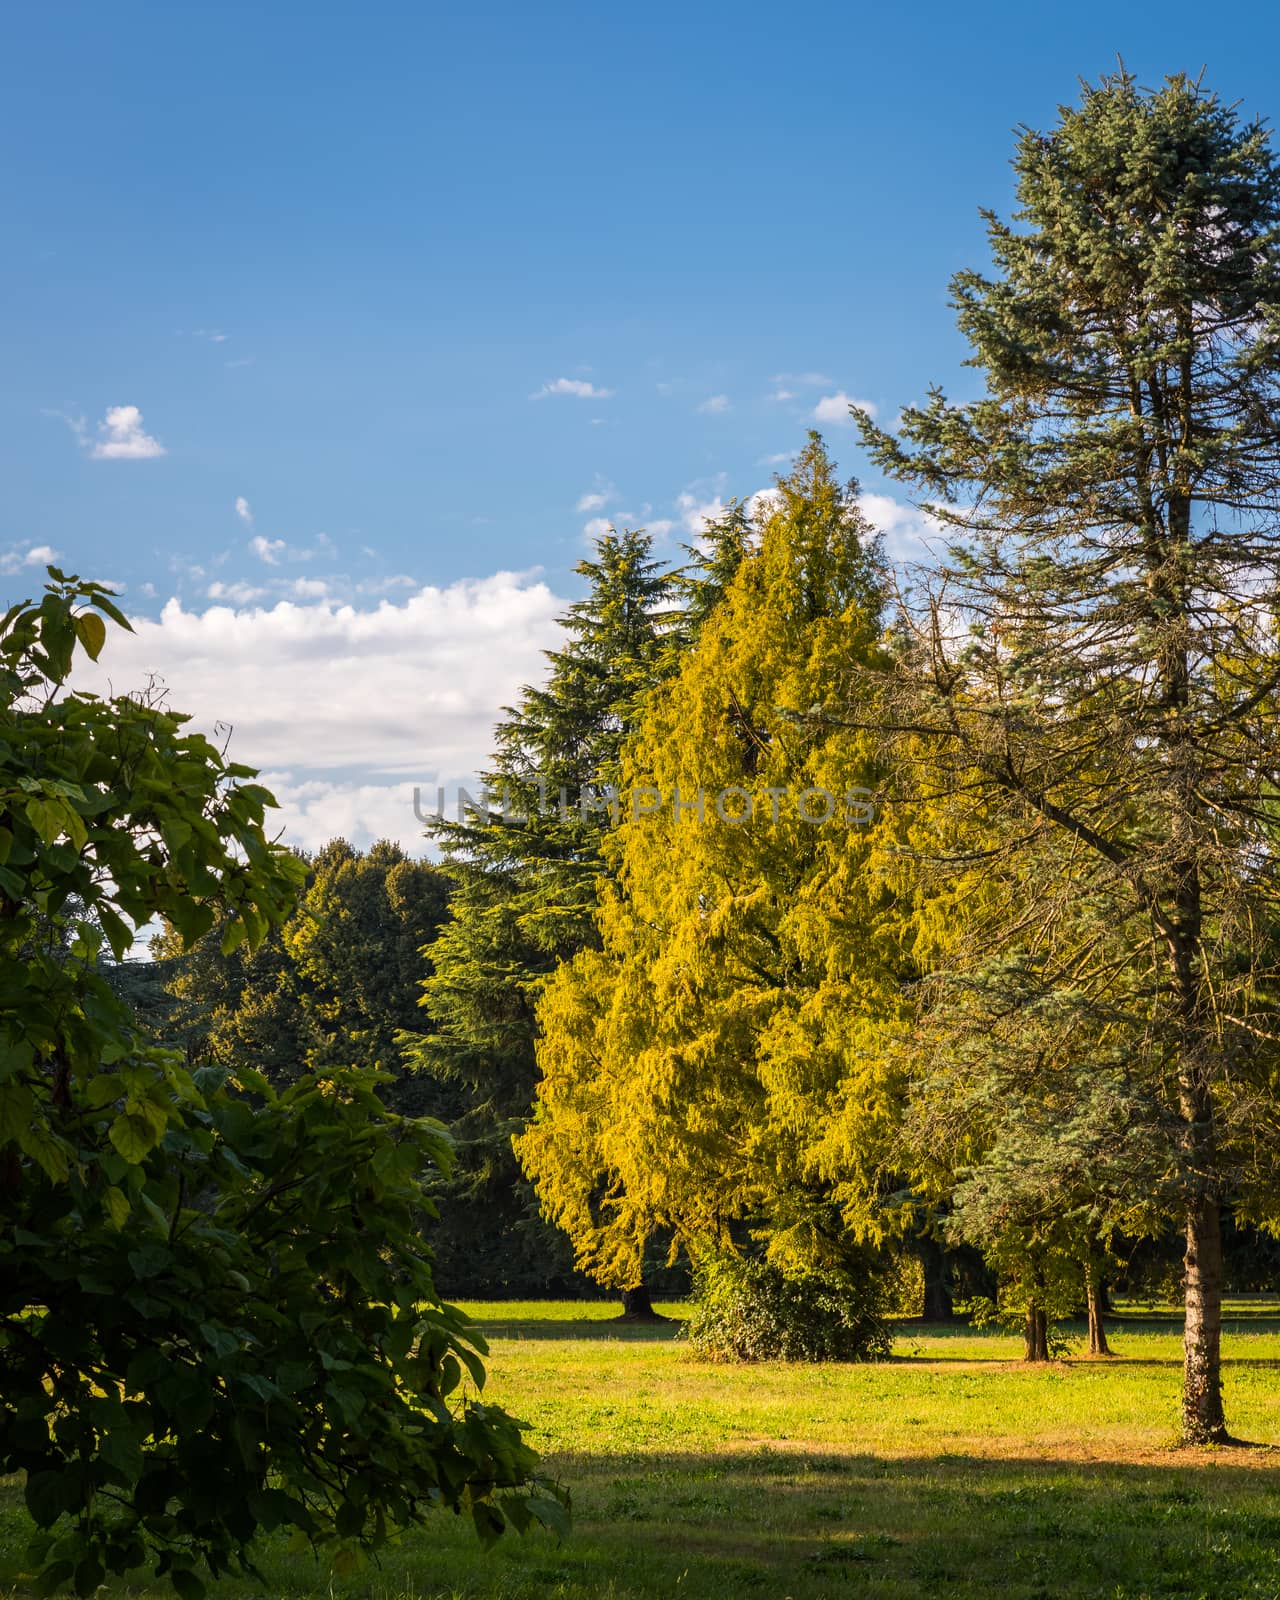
pixel 951 1470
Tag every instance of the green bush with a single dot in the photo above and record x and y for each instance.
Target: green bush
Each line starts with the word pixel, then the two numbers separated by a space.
pixel 751 1311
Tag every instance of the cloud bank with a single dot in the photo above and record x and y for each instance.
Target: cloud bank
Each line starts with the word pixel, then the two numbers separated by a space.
pixel 346 708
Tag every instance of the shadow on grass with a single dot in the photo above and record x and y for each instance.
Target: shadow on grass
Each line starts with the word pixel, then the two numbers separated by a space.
pixel 580 1328
pixel 823 1525
pixel 818 1525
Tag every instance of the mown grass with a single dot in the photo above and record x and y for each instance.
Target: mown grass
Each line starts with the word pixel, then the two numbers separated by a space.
pixel 950 1471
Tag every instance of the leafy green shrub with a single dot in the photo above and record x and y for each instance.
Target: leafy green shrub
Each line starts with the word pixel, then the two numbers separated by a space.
pixel 751 1311
pixel 216 1315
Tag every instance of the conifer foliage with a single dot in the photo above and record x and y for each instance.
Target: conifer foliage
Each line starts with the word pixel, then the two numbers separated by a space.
pixel 713 1060
pixel 524 895
pixel 1094 675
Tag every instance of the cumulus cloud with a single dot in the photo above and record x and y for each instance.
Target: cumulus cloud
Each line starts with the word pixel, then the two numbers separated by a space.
pixel 574 386
pixel 15 559
pixel 908 532
pixel 347 706
pixel 834 408
pixel 596 528
pixel 596 499
pixel 243 510
pixel 695 513
pixel 714 403
pixel 762 502
pixel 123 438
pixel 238 594
pixel 268 550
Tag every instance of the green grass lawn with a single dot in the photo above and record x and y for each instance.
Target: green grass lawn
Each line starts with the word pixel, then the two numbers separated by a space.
pixel 949 1471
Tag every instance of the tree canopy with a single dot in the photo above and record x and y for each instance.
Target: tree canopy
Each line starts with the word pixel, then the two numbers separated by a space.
pixel 216 1315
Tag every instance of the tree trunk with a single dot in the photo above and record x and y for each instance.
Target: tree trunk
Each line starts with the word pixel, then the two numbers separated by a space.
pixel 1202 1417
pixel 1095 1290
pixel 938 1305
pixel 637 1306
pixel 1036 1334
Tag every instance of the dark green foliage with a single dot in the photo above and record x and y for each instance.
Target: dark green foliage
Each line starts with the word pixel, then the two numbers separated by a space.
pixel 748 1310
pixel 1090 679
pixel 216 1317
pixel 335 984
pixel 523 900
pixel 713 563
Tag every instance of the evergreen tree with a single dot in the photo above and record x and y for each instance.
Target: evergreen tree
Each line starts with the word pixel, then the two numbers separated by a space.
pixel 523 900
pixel 713 564
pixel 1115 498
pixel 713 1061
pixel 334 985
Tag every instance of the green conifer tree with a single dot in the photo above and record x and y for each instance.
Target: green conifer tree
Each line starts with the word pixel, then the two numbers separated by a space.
pixel 523 901
pixel 713 1060
pixel 1115 496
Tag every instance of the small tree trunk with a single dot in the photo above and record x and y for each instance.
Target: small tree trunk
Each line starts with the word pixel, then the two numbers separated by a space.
pixel 637 1306
pixel 1202 1417
pixel 1037 1333
pixel 1094 1291
pixel 938 1305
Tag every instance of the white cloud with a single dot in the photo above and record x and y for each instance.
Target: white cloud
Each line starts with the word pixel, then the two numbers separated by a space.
pixel 347 707
pixel 695 513
pixel 907 531
pixel 149 590
pixel 16 558
pixel 777 459
pixel 596 528
pixel 762 502
pixel 310 588
pixel 596 499
pixel 123 437
pixel 715 403
pixel 659 527
pixel 834 408
pixel 243 510
pixel 268 550
pixel 574 386
pixel 783 394
pixel 314 810
pixel 239 594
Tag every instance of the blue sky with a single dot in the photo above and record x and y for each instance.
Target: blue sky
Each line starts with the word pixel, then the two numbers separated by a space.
pixel 316 261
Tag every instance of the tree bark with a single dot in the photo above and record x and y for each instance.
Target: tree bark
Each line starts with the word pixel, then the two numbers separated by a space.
pixel 1203 1421
pixel 1036 1333
pixel 1095 1290
pixel 938 1306
pixel 637 1306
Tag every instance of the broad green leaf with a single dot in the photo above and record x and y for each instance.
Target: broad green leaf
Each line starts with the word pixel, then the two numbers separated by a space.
pixel 117 1206
pixel 133 1136
pixel 92 632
